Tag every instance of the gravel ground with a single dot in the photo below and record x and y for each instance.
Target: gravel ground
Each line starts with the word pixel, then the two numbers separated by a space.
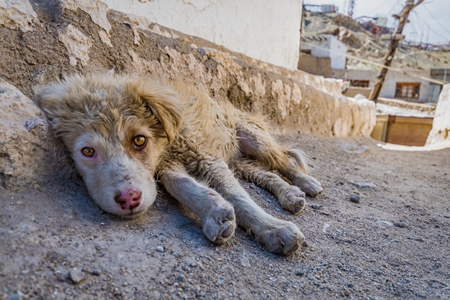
pixel 380 230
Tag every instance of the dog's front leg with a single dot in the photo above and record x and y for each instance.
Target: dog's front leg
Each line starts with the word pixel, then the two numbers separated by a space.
pixel 276 235
pixel 215 212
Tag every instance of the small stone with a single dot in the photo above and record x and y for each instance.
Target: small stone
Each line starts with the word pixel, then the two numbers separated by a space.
pixel 363 184
pixel 326 213
pixel 400 224
pixel 96 272
pixel 300 273
pixel 355 198
pixel 315 206
pixel 76 275
pixel 384 223
pixel 16 296
pixel 447 216
pixel 378 272
pixel 160 249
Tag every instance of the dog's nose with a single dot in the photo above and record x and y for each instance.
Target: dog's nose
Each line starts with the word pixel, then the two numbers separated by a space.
pixel 128 198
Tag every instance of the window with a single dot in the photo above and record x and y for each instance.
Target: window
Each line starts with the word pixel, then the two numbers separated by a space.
pixel 407 90
pixel 359 83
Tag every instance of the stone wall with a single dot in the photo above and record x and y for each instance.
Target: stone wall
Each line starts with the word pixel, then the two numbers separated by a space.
pixel 43 40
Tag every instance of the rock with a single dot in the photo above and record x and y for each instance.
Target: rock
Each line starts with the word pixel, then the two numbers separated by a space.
pixel 363 184
pixel 384 223
pixel 400 224
pixel 16 296
pixel 355 198
pixel 23 139
pixel 378 272
pixel 76 275
pixel 447 216
pixel 300 273
pixel 96 272
pixel 160 249
pixel 245 262
pixel 315 206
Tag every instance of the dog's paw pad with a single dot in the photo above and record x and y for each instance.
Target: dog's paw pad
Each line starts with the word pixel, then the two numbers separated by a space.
pixel 220 224
pixel 284 238
pixel 293 200
pixel 310 186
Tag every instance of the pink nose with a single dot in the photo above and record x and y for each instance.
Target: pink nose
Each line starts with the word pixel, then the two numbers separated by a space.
pixel 129 198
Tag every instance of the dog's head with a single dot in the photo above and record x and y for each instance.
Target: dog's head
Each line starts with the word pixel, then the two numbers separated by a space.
pixel 116 128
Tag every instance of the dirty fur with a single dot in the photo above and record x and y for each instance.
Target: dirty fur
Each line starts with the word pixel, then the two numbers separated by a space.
pixel 122 132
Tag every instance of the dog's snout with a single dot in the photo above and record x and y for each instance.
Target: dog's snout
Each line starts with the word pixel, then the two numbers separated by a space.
pixel 129 198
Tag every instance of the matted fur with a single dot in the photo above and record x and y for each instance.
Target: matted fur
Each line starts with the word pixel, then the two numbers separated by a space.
pixel 193 144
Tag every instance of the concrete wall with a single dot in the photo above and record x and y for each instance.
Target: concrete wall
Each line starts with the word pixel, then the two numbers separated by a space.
pixel 392 77
pixel 338 53
pixel 263 29
pixel 315 65
pixel 327 46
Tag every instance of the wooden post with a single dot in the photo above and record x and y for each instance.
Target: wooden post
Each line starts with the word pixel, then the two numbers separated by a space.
pixel 389 56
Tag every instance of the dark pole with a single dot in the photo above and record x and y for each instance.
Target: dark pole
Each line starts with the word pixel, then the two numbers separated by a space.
pixel 389 56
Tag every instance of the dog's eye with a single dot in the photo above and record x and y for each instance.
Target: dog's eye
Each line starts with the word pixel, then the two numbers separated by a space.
pixel 88 152
pixel 139 142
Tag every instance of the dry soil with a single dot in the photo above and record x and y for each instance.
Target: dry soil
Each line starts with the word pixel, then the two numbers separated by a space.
pixel 393 244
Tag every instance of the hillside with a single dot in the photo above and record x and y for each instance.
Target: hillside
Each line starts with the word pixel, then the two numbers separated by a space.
pixel 364 45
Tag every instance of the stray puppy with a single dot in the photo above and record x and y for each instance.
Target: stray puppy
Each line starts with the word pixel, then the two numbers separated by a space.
pixel 122 131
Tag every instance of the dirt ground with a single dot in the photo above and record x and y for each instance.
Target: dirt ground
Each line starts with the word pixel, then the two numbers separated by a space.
pixel 393 244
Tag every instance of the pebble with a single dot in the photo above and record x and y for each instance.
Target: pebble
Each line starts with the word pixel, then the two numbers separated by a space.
pixel 300 273
pixel 363 184
pixel 355 198
pixel 384 223
pixel 76 275
pixel 400 224
pixel 16 296
pixel 447 216
pixel 96 272
pixel 315 206
pixel 160 249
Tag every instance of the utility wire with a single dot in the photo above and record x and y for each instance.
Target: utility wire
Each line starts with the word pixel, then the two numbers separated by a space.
pixel 426 23
pixel 440 82
pixel 436 19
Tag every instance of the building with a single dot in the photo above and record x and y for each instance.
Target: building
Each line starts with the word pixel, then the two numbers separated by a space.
pixel 409 85
pixel 326 45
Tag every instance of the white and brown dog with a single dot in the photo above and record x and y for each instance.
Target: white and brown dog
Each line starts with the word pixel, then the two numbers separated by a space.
pixel 122 131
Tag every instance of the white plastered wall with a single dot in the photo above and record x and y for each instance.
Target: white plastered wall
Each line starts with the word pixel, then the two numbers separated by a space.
pixel 263 29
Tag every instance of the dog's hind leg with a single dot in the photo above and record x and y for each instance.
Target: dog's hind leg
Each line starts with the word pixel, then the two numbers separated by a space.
pixel 278 236
pixel 215 212
pixel 290 197
pixel 255 142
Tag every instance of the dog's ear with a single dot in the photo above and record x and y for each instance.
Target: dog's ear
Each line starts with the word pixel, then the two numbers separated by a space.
pixel 50 100
pixel 163 102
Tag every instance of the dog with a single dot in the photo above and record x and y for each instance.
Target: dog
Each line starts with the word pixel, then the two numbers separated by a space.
pixel 124 131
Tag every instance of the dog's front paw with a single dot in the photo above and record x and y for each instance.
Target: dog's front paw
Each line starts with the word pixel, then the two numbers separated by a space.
pixel 282 238
pixel 292 199
pixel 220 224
pixel 309 185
